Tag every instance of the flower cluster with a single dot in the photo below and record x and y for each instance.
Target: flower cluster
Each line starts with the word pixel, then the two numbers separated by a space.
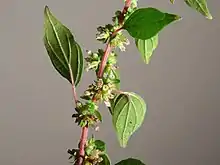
pixel 94 149
pixel 93 59
pixel 104 33
pixel 87 114
pixel 120 41
pixel 100 91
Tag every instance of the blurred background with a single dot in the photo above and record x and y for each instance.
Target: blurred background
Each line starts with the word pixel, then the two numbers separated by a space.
pixel 181 86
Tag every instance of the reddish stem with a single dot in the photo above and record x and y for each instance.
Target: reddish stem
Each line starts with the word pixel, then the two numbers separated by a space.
pixel 84 135
pixel 106 53
pixel 104 60
pixel 127 5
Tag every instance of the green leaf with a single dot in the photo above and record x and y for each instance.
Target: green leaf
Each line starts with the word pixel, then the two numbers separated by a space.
pixel 145 23
pixel 64 52
pixel 146 47
pixel 130 161
pixel 112 76
pixel 98 115
pixel 128 112
pixel 106 160
pixel 115 77
pixel 200 6
pixel 100 145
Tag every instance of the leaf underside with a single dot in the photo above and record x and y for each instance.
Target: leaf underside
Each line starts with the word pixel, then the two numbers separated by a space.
pixel 146 47
pixel 200 6
pixel 128 112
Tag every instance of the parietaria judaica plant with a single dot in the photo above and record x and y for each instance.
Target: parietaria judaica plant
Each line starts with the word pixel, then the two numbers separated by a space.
pixel 127 109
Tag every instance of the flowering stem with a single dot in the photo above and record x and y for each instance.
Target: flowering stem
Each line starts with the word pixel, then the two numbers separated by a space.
pixel 84 133
pixel 104 60
pixel 106 53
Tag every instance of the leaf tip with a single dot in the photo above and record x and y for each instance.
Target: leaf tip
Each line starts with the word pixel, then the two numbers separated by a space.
pixel 46 9
pixel 147 61
pixel 123 144
pixel 209 16
pixel 178 17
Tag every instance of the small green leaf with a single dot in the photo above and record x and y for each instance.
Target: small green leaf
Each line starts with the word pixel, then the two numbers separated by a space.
pixel 98 115
pixel 64 52
pixel 146 47
pixel 145 23
pixel 115 77
pixel 106 160
pixel 130 161
pixel 200 6
pixel 100 145
pixel 128 112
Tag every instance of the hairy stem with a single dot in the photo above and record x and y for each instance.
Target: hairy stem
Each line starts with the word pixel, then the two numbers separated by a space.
pixel 84 132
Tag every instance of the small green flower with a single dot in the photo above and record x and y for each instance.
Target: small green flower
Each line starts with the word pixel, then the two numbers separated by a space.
pixel 120 41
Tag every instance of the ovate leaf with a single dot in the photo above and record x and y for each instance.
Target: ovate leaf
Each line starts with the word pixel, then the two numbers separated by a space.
pixel 145 23
pixel 200 6
pixel 64 52
pixel 128 112
pixel 130 161
pixel 146 47
pixel 100 145
pixel 105 160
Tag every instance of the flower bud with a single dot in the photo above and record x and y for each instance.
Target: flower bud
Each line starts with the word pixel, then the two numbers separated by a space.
pixel 105 88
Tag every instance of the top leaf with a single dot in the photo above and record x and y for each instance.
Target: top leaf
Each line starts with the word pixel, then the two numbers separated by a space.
pixel 200 6
pixel 64 52
pixel 130 161
pixel 145 23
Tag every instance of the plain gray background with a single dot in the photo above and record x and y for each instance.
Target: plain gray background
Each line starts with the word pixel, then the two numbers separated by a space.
pixel 181 86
